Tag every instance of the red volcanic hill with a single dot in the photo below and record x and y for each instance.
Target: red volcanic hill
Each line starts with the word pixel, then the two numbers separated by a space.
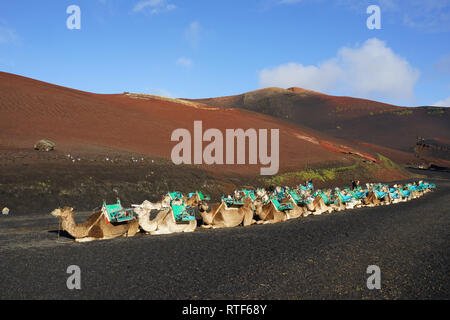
pixel 383 128
pixel 85 122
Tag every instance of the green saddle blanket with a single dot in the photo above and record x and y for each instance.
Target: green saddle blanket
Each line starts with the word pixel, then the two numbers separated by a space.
pixel 182 214
pixel 282 206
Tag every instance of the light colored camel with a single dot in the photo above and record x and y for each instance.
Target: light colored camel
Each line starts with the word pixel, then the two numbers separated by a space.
pixel 94 228
pixel 220 216
pixel 165 222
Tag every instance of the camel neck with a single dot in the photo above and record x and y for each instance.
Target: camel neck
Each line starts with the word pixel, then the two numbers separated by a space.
pixel 68 223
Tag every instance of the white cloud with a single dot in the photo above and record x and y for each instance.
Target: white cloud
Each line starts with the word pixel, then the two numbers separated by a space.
pixel 321 78
pixel 153 6
pixel 184 62
pixel 442 103
pixel 371 71
pixel 193 34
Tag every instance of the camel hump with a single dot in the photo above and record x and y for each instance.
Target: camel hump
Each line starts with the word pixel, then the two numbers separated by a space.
pixel 93 218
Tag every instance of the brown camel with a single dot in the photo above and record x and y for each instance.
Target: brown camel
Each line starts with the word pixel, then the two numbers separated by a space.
pixel 94 228
pixel 371 200
pixel 268 213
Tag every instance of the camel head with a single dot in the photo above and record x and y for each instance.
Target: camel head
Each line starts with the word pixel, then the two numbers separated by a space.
pixel 249 203
pixel 193 201
pixel 177 202
pixel 145 208
pixel 258 204
pixel 165 202
pixel 260 192
pixel 203 206
pixel 62 212
pixel 238 195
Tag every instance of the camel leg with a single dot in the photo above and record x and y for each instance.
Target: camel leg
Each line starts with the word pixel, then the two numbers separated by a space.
pixel 248 219
pixel 192 226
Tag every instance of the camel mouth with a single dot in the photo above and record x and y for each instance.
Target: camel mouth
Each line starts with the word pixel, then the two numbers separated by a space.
pixel 54 213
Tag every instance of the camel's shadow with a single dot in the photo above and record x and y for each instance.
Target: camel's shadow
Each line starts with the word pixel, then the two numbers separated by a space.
pixel 62 234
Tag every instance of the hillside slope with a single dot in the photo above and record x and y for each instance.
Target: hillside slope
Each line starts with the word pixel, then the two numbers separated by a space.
pixel 86 122
pixel 359 120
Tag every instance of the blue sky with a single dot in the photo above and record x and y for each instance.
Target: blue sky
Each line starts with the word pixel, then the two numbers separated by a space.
pixel 208 48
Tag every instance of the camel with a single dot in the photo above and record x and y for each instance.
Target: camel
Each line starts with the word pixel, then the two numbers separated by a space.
pixel 346 202
pixel 415 193
pixel 296 212
pixel 300 208
pixel 220 216
pixel 371 200
pixel 396 195
pixel 318 205
pixel 165 222
pixel 94 228
pixel 267 212
pixel 387 199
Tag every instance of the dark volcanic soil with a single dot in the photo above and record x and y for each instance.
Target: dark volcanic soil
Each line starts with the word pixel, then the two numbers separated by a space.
pixel 40 182
pixel 324 257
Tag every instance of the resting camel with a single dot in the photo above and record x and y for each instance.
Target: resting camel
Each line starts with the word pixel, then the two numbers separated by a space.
pixel 371 200
pixel 318 205
pixel 267 212
pixel 165 222
pixel 94 228
pixel 415 193
pixel 220 216
pixel 296 212
pixel 387 199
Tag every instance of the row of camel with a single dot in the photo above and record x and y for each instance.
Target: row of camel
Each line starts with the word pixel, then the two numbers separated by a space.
pixel 262 207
